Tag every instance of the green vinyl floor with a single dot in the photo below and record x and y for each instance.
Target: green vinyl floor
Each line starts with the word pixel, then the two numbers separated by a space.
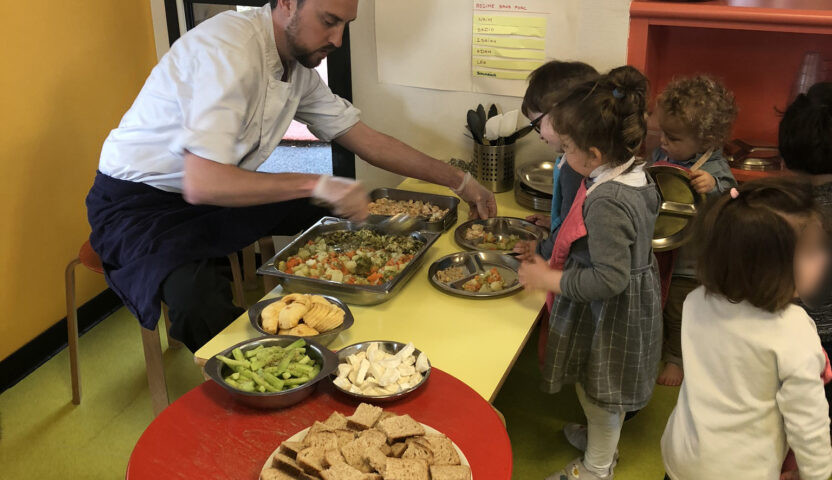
pixel 43 436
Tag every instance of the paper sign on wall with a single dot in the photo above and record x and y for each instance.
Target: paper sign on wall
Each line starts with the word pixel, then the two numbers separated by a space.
pixel 491 47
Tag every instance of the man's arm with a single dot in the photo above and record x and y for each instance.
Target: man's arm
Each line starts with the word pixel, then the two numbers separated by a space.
pixel 214 183
pixel 386 152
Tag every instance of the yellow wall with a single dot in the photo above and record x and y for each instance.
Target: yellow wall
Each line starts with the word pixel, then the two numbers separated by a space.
pixel 68 72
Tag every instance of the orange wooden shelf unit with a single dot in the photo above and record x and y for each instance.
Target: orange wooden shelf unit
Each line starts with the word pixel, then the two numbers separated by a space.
pixel 754 46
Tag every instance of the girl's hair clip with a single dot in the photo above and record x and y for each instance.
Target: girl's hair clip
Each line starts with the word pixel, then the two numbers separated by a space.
pixel 617 93
pixel 735 193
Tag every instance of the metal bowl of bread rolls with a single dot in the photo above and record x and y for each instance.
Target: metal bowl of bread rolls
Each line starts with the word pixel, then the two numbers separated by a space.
pixel 317 317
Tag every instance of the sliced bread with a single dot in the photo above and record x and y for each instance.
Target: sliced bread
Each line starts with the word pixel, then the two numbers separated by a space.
pixel 311 460
pixel 291 449
pixel 443 449
pixel 450 472
pixel 376 459
pixel 342 472
pixel 406 469
pixel 324 440
pixel 400 427
pixel 336 421
pixel 365 417
pixel 332 458
pixel 397 449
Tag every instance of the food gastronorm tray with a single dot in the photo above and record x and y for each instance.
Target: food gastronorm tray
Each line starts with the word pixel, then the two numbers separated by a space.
pixel 500 226
pixel 441 201
pixel 352 294
pixel 475 263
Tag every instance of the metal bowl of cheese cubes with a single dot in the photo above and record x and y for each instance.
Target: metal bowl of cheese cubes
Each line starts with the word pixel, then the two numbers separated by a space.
pixel 380 371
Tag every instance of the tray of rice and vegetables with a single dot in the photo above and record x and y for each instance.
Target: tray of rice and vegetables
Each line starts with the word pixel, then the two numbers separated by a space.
pixel 356 263
pixel 476 274
pixel 499 234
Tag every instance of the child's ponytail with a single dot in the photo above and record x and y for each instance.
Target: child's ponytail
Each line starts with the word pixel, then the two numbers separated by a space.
pixel 609 114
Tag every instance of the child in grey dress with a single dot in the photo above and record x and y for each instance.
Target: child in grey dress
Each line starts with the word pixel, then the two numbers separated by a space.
pixel 605 331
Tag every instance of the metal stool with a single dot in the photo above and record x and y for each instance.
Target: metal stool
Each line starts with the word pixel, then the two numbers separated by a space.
pixel 151 341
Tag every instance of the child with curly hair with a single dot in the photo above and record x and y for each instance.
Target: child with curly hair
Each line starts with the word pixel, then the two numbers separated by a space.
pixel 695 116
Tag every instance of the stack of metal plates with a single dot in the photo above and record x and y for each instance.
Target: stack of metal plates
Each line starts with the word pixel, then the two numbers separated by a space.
pixel 533 185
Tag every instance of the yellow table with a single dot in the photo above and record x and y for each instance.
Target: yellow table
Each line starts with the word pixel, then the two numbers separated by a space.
pixel 474 340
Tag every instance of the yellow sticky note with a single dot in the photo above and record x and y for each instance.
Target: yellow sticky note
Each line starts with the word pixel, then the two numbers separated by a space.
pixel 510 30
pixel 533 43
pixel 503 74
pixel 508 52
pixel 526 65
pixel 485 19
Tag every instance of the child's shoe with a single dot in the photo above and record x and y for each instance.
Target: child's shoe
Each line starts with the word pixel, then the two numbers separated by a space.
pixel 577 471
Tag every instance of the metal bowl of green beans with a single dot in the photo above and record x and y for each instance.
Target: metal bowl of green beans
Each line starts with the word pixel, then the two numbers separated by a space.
pixel 272 372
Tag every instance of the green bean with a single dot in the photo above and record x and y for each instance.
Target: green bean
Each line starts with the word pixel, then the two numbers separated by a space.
pixel 296 381
pixel 258 380
pixel 234 363
pixel 238 355
pixel 273 381
pixel 254 352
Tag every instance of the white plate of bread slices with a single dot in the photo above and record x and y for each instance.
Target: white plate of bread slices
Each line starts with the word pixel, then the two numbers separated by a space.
pixel 371 444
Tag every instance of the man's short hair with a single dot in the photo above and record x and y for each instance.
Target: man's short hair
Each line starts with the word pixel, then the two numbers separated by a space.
pixel 806 131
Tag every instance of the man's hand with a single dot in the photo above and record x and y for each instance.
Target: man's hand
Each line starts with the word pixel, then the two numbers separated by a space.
pixel 540 220
pixel 525 250
pixel 480 199
pixel 536 275
pixel 702 181
pixel 346 197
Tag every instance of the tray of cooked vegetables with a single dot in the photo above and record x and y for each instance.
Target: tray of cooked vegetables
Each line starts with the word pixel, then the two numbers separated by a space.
pixel 272 372
pixel 437 212
pixel 476 274
pixel 357 263
pixel 498 234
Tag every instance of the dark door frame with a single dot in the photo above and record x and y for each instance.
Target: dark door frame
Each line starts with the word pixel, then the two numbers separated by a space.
pixel 338 65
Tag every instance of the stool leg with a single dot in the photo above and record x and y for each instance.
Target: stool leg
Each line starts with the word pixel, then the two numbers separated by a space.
pixel 152 345
pixel 173 343
pixel 267 252
pixel 72 330
pixel 249 268
pixel 239 292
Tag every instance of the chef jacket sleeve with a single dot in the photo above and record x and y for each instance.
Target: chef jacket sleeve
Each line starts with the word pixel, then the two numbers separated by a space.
pixel 327 115
pixel 214 91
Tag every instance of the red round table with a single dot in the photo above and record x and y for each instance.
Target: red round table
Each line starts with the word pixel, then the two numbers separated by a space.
pixel 206 434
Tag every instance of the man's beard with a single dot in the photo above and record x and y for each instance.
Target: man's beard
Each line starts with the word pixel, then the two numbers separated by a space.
pixel 302 55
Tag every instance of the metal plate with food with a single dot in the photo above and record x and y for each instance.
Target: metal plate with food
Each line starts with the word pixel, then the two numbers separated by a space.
pixel 437 212
pixel 537 176
pixel 679 202
pixel 317 317
pixel 476 274
pixel 271 372
pixel 363 445
pixel 498 234
pixel 380 371
pixel 356 263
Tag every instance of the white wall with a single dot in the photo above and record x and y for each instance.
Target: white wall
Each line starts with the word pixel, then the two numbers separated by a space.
pixel 429 120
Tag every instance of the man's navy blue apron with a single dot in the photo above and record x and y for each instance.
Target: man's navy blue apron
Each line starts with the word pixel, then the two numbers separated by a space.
pixel 142 234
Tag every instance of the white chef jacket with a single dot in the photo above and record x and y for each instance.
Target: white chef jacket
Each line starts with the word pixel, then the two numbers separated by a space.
pixel 218 94
pixel 752 387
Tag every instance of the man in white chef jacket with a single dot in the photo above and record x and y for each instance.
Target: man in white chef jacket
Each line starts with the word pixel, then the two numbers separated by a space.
pixel 177 187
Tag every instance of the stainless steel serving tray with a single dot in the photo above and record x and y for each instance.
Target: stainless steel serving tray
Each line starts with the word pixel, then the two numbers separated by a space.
pixel 475 263
pixel 441 201
pixel 352 294
pixel 500 226
pixel 537 176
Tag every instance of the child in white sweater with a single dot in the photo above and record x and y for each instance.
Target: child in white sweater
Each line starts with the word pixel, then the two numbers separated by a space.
pixel 753 360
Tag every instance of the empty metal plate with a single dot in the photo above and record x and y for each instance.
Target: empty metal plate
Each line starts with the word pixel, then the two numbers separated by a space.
pixel 678 206
pixel 537 176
